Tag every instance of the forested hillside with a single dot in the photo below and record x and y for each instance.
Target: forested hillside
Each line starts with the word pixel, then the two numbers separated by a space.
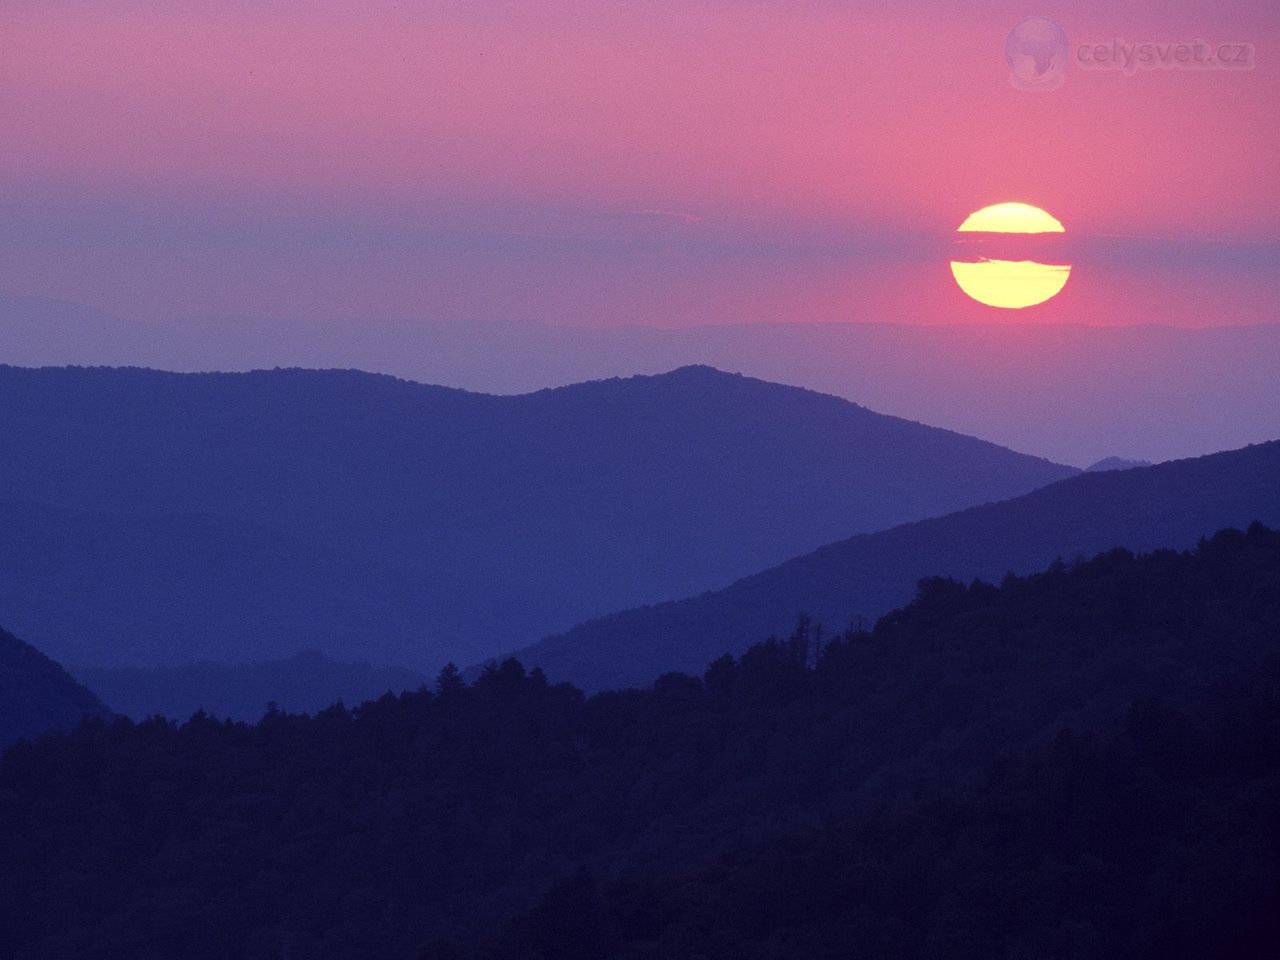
pixel 1080 763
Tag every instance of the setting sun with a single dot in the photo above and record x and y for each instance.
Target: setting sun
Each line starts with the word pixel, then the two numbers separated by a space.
pixel 1010 284
pixel 1011 218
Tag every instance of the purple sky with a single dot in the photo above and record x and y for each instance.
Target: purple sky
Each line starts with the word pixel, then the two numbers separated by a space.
pixel 589 163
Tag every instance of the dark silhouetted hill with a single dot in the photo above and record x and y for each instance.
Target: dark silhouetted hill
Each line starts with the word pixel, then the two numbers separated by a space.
pixel 246 516
pixel 37 695
pixel 1081 763
pixel 1171 504
pixel 303 683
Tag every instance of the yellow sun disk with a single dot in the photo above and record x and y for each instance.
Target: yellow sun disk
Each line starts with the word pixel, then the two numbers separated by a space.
pixel 1011 218
pixel 1011 284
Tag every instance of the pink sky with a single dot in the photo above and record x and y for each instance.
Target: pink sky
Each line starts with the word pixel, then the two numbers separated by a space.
pixel 563 161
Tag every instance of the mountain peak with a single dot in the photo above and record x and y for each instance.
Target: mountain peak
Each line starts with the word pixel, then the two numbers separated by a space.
pixel 700 370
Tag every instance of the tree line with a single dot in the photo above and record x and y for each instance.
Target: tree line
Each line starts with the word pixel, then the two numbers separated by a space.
pixel 1080 763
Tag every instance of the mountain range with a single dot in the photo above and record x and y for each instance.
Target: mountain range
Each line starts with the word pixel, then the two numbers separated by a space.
pixel 1074 393
pixel 163 518
pixel 860 578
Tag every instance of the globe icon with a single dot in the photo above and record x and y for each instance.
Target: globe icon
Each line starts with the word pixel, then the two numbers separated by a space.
pixel 1036 52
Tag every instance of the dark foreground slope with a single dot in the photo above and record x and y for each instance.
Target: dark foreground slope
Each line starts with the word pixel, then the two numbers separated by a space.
pixel 962 822
pixel 1171 504
pixel 1155 841
pixel 247 516
pixel 37 695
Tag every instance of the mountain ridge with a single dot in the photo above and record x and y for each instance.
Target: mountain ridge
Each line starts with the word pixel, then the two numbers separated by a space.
pixel 1071 392
pixel 867 575
pixel 437 524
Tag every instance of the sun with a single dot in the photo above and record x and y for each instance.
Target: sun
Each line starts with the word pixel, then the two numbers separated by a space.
pixel 1011 218
pixel 1010 284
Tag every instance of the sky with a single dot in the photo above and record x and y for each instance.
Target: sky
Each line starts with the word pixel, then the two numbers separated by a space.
pixel 653 162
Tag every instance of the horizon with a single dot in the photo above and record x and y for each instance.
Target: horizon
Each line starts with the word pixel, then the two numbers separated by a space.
pixel 1072 392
